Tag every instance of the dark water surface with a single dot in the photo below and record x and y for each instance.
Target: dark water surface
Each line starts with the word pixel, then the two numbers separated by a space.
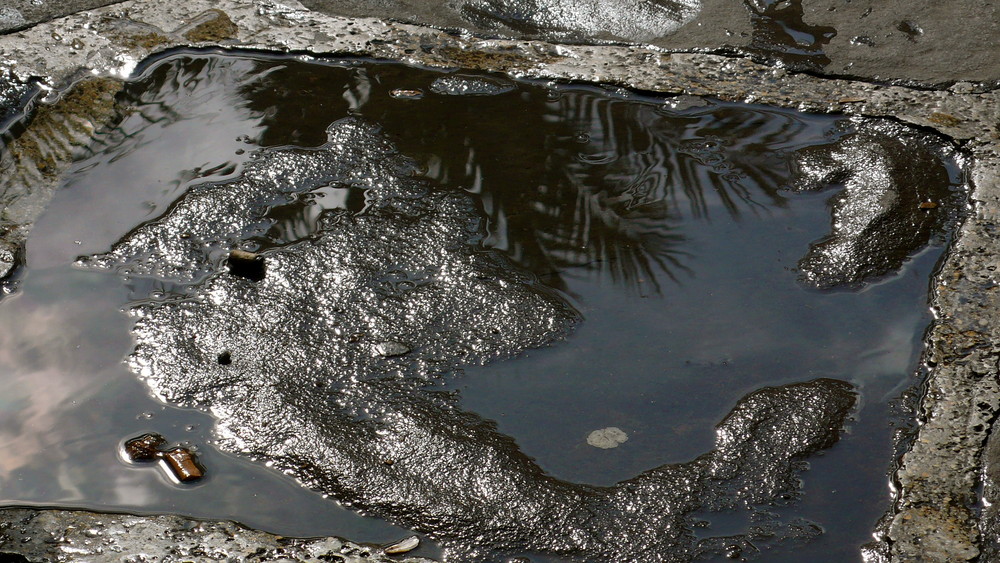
pixel 671 224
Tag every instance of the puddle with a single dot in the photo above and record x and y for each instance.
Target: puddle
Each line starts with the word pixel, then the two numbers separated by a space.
pixel 655 273
pixel 780 34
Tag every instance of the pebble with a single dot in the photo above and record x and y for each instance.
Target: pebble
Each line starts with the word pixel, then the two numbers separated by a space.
pixel 605 438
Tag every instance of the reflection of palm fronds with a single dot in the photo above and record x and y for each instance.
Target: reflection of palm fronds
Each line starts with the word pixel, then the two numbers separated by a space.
pixel 580 180
pixel 544 210
pixel 617 188
pixel 586 181
pixel 608 234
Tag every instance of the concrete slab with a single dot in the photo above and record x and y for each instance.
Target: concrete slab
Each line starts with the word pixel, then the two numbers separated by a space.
pixel 19 14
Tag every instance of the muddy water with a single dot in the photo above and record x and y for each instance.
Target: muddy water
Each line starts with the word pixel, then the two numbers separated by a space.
pixel 675 228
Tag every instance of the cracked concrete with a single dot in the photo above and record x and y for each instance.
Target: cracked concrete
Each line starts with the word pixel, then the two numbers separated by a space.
pixel 935 517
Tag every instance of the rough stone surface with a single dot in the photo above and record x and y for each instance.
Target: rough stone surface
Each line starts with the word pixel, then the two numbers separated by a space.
pixel 896 195
pixel 939 474
pixel 49 536
pixel 922 42
pixel 18 14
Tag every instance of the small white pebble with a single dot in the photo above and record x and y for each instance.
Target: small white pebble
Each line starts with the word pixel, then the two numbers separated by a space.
pixel 609 437
pixel 389 349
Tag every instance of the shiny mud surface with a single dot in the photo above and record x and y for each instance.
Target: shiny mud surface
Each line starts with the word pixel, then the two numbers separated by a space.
pixel 658 268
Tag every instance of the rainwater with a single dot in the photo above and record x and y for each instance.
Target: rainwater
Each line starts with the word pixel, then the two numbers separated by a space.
pixel 670 223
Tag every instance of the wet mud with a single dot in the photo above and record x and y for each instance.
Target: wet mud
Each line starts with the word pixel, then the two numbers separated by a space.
pixel 318 292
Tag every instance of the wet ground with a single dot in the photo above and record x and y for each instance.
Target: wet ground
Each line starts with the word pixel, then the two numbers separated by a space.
pixel 866 39
pixel 924 42
pixel 937 476
pixel 683 231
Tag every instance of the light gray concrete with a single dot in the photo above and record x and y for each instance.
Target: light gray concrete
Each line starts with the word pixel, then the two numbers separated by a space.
pixel 19 14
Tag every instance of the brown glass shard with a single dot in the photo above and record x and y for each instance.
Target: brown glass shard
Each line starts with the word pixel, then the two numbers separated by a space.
pixel 183 465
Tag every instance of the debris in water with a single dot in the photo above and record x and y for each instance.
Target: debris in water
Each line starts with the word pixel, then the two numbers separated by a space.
pixel 183 465
pixel 402 546
pixel 404 94
pixel 144 448
pixel 606 438
pixel 181 462
pixel 927 205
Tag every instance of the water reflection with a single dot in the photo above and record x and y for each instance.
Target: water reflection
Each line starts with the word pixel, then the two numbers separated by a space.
pixel 611 197
pixel 52 350
pixel 602 183
pixel 780 34
pixel 329 367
